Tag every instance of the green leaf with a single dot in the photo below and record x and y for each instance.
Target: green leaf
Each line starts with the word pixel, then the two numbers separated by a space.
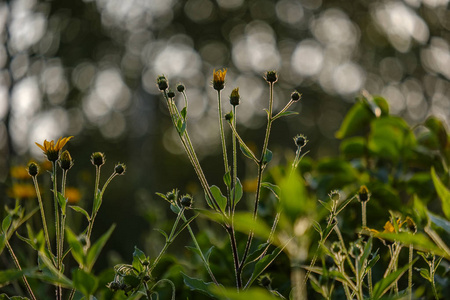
pixel 264 263
pixel 95 250
pixel 227 179
pixel 62 201
pixel 185 224
pixel 7 276
pixel 244 222
pixel 174 208
pixel 437 127
pixel 382 286
pixel 181 126
pixel 97 202
pixel 6 223
pixel 198 285
pixel 132 280
pixel 138 258
pixel 284 114
pixel 440 222
pixel 420 241
pixel 163 233
pixel 364 256
pixel 2 242
pixel 162 196
pixel 246 152
pixel 275 189
pixel 220 199
pixel 267 157
pixel 238 193
pixel 254 293
pixel 76 248
pixel 353 147
pixel 209 201
pixel 80 210
pixel 85 282
pixel 425 274
pixel 443 192
pixel 356 120
pixel 183 113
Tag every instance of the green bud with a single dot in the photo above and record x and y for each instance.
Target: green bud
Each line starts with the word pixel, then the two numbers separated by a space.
pixel 180 88
pixel 33 169
pixel 98 159
pixel 235 97
pixel 271 76
pixel 120 169
pixel 162 83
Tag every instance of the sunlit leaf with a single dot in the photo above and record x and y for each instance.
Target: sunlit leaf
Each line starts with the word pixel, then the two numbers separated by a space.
pixel 443 192
pixel 77 248
pixel 220 199
pixel 95 249
pixel 80 210
pixel 238 193
pixel 356 121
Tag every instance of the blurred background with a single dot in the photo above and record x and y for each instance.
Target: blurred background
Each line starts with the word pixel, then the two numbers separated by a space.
pixel 88 69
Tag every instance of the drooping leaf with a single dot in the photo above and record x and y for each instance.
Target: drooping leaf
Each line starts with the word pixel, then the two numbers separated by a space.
pixel 80 210
pixel 85 282
pixel 95 249
pixel 199 285
pixel 273 188
pixel 443 193
pixel 219 197
pixel 163 233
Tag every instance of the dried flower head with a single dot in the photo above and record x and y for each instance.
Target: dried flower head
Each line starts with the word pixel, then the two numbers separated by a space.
pixel 171 94
pixel 65 160
pixel 52 150
pixel 186 201
pixel 219 79
pixel 235 97
pixel 265 280
pixel 98 159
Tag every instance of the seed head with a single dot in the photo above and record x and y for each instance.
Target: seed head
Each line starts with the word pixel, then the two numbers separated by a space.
pixel 235 97
pixel 98 159
pixel 265 280
pixel 162 83
pixel 33 169
pixel 271 76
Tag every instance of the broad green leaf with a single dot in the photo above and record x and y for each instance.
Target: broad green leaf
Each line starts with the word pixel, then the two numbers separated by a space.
pixel 275 189
pixel 77 248
pixel 220 199
pixel 353 147
pixel 80 210
pixel 264 263
pixel 138 258
pixel 382 286
pixel 443 192
pixel 2 242
pixel 62 201
pixel 356 121
pixel 238 193
pixel 198 285
pixel 437 127
pixel 95 249
pixel 267 157
pixel 227 179
pixel 440 222
pixel 6 223
pixel 244 222
pixel 183 113
pixel 254 293
pixel 132 280
pixel 382 104
pixel 85 282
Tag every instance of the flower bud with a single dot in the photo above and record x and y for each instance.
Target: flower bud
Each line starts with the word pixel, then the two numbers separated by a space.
pixel 219 79
pixel 265 280
pixel 271 76
pixel 229 116
pixel 120 169
pixel 171 94
pixel 98 159
pixel 363 194
pixel 295 96
pixel 162 83
pixel 65 161
pixel 235 97
pixel 33 169
pixel 300 140
pixel 186 201
pixel 180 88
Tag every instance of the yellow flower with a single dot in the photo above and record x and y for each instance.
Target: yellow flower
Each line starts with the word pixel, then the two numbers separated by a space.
pixel 22 191
pixel 19 172
pixel 219 79
pixel 73 195
pixel 52 150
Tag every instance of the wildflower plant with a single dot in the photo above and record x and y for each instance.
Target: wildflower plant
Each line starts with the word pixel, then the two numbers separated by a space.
pixel 51 250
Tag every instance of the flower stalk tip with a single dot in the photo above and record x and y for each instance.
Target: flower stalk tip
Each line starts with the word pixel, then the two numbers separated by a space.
pixel 219 79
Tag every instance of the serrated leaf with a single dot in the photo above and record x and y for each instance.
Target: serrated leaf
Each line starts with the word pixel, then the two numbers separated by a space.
pixel 219 197
pixel 238 193
pixel 382 286
pixel 95 249
pixel 85 282
pixel 267 157
pixel 62 201
pixel 81 210
pixel 198 285
pixel 443 192
pixel 275 189
pixel 227 179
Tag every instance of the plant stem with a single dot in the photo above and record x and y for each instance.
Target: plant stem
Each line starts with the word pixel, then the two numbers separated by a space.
pixel 222 134
pixel 364 216
pixel 410 271
pixel 16 262
pixel 41 208
pixel 57 228
pixel 234 177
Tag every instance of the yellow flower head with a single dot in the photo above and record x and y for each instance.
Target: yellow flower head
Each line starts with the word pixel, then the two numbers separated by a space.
pixel 219 79
pixel 22 191
pixel 73 195
pixel 52 150
pixel 19 172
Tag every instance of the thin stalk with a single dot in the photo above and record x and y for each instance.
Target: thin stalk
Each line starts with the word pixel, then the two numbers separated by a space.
pixel 394 258
pixel 344 248
pixel 237 267
pixel 41 208
pixel 364 216
pixel 234 177
pixel 57 228
pixel 283 110
pixel 222 134
pixel 16 262
pixel 410 271
pixel 63 216
pixel 147 291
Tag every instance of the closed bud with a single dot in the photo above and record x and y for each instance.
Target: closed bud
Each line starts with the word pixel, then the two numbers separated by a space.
pixel 162 83
pixel 265 280
pixel 271 76
pixel 33 169
pixel 120 169
pixel 235 97
pixel 171 94
pixel 363 194
pixel 300 140
pixel 65 161
pixel 180 87
pixel 219 79
pixel 229 116
pixel 98 159
pixel 295 96
pixel 186 201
